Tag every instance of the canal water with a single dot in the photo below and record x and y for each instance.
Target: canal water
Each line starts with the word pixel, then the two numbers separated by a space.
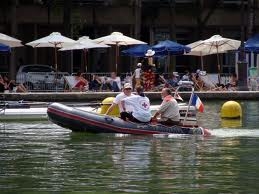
pixel 42 157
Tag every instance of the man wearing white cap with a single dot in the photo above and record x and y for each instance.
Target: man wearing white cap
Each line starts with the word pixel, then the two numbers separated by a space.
pixel 117 100
pixel 137 75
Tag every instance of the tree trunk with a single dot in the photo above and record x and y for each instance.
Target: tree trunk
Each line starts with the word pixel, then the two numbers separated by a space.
pixel 137 28
pixel 171 62
pixel 13 21
pixel 137 31
pixel 242 64
pixel 67 17
pixel 251 18
pixel 199 20
pixel 66 64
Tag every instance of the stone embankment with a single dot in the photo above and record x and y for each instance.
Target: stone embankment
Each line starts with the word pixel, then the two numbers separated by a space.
pixel 99 96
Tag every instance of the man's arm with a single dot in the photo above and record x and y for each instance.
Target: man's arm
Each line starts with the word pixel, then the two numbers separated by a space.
pixel 110 108
pixel 155 115
pixel 161 109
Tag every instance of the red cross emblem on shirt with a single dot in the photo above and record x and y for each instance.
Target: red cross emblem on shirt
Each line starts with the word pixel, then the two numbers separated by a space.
pixel 144 105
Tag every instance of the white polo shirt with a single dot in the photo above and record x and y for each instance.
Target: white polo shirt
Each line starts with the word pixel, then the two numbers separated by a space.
pixel 118 99
pixel 141 107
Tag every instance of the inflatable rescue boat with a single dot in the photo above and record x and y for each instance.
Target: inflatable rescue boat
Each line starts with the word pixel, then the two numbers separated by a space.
pixel 84 121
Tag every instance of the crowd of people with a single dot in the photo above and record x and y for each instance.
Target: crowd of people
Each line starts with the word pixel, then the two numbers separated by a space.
pixel 147 77
pixel 112 83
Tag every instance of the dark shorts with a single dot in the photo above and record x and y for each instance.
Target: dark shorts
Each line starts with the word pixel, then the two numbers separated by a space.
pixel 169 122
pixel 129 116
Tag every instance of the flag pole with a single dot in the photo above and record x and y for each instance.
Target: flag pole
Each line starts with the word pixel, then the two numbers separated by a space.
pixel 189 104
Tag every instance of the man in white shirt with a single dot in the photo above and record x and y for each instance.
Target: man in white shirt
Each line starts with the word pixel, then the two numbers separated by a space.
pixel 141 112
pixel 137 75
pixel 168 110
pixel 117 101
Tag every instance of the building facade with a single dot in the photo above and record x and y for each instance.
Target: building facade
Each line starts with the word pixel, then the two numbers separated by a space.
pixel 183 21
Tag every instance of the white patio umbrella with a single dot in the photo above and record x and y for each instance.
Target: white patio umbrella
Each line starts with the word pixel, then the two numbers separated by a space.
pixel 218 44
pixel 83 43
pixel 117 39
pixel 10 41
pixel 200 51
pixel 55 39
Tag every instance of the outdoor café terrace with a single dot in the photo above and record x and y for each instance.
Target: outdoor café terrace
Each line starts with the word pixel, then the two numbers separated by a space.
pixel 62 82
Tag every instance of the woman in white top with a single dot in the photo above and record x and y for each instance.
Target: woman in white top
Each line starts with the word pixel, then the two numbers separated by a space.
pixel 140 107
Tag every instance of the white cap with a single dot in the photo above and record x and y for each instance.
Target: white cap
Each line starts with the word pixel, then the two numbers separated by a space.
pixel 127 85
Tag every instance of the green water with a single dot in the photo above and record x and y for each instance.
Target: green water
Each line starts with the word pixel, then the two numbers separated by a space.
pixel 42 157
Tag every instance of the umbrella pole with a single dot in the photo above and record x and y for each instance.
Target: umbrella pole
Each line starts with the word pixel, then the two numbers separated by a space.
pixel 202 63
pixel 56 67
pixel 85 59
pixel 116 58
pixel 218 65
pixel 56 58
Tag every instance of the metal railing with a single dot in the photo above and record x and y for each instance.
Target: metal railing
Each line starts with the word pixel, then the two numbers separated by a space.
pixel 53 82
pixel 40 81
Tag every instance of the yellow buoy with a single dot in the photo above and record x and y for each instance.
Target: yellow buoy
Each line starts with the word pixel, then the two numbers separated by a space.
pixel 106 103
pixel 231 110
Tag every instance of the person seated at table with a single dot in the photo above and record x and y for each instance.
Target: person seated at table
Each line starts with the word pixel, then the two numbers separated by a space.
pixel 113 82
pixel 82 83
pixel 186 76
pixel 2 84
pixel 173 80
pixel 96 83
pixel 198 82
pixel 232 82
pixel 12 86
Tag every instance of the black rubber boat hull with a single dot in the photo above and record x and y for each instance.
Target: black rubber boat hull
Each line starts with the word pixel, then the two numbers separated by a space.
pixel 79 120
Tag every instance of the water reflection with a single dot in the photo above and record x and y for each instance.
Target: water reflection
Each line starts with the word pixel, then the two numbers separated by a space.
pixel 44 157
pixel 250 113
pixel 211 118
pixel 231 123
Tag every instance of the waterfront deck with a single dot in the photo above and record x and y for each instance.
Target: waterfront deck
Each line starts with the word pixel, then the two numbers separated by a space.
pixel 99 96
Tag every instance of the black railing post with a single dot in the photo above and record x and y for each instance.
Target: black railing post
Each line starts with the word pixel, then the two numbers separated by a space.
pixel 242 63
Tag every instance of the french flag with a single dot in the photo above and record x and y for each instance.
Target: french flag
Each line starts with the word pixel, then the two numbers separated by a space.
pixel 196 101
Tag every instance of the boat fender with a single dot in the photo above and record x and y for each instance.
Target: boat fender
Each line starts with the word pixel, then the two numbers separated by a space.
pixel 108 119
